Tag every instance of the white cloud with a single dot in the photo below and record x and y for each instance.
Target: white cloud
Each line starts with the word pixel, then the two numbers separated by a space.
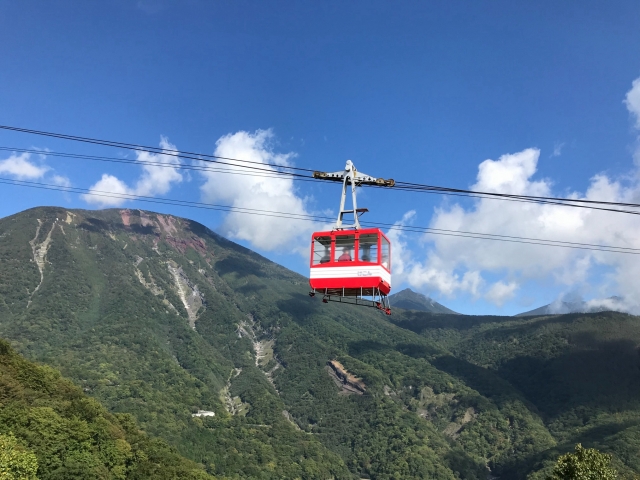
pixel 400 253
pixel 61 181
pixel 454 265
pixel 632 100
pixel 573 301
pixel 155 179
pixel 612 303
pixel 110 185
pixel 500 292
pixel 22 168
pixel 557 149
pixel 276 194
pixel 434 275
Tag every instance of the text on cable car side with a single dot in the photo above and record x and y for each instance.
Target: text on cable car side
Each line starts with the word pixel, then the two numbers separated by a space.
pixel 350 264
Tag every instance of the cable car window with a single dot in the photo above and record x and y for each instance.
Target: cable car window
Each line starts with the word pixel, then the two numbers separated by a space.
pixel 321 250
pixel 368 248
pixel 345 245
pixel 386 254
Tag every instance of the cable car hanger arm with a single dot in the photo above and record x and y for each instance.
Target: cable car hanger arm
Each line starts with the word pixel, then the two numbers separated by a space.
pixel 351 176
pixel 359 177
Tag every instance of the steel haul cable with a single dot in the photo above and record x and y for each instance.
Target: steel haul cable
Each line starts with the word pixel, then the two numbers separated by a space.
pixel 267 173
pixel 279 173
pixel 132 146
pixel 203 168
pixel 400 185
pixel 315 218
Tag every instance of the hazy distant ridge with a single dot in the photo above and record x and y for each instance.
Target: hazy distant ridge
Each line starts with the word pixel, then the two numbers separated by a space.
pixel 560 307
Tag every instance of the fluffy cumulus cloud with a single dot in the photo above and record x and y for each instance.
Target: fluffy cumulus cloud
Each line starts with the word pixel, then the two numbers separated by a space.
pixel 454 264
pixel 260 190
pixel 632 101
pixel 109 191
pixel 22 167
pixel 61 181
pixel 401 252
pixel 500 292
pixel 160 171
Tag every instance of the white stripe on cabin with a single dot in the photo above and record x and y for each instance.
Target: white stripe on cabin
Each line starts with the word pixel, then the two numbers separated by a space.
pixel 353 271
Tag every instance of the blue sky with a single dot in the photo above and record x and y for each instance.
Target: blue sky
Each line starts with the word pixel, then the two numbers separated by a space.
pixel 416 91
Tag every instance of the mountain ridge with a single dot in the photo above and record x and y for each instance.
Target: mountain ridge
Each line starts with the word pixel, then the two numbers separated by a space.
pixel 410 300
pixel 159 317
pixel 560 307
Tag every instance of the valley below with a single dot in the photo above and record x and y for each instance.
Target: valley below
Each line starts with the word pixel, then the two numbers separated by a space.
pixel 160 319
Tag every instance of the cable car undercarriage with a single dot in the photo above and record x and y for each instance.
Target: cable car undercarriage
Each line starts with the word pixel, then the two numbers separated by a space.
pixel 352 296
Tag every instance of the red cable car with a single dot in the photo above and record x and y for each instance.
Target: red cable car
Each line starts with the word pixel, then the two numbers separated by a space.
pixel 350 264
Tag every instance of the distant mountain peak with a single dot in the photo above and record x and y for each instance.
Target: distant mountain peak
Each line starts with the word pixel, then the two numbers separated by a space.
pixel 576 305
pixel 410 300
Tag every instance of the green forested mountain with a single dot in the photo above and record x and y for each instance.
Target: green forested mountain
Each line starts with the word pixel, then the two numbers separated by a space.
pixel 580 373
pixel 159 317
pixel 410 300
pixel 72 435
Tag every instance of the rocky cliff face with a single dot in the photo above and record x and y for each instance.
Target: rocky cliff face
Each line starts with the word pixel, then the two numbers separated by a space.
pixel 350 383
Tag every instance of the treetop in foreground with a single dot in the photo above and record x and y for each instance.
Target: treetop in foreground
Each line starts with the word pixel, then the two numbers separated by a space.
pixel 584 464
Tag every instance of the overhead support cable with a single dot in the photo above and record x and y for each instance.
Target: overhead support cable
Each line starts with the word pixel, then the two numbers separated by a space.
pixel 180 166
pixel 317 218
pixel 436 189
pixel 158 150
pixel 400 185
pixel 524 199
pixel 266 173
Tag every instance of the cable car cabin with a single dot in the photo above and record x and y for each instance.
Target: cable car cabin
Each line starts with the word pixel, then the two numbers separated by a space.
pixel 351 263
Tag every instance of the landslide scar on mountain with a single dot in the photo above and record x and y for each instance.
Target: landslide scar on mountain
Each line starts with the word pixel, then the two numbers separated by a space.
pixel 39 251
pixel 146 220
pixel 263 348
pixel 152 286
pixel 126 217
pixel 191 297
pixel 181 244
pixel 347 382
pixel 167 224
pixel 233 405
pixel 452 430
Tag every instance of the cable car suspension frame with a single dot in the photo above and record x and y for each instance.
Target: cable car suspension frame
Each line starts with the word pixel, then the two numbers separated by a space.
pixel 353 296
pixel 350 176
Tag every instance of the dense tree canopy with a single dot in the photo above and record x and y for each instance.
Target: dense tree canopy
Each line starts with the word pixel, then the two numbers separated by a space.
pixel 49 429
pixel 16 461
